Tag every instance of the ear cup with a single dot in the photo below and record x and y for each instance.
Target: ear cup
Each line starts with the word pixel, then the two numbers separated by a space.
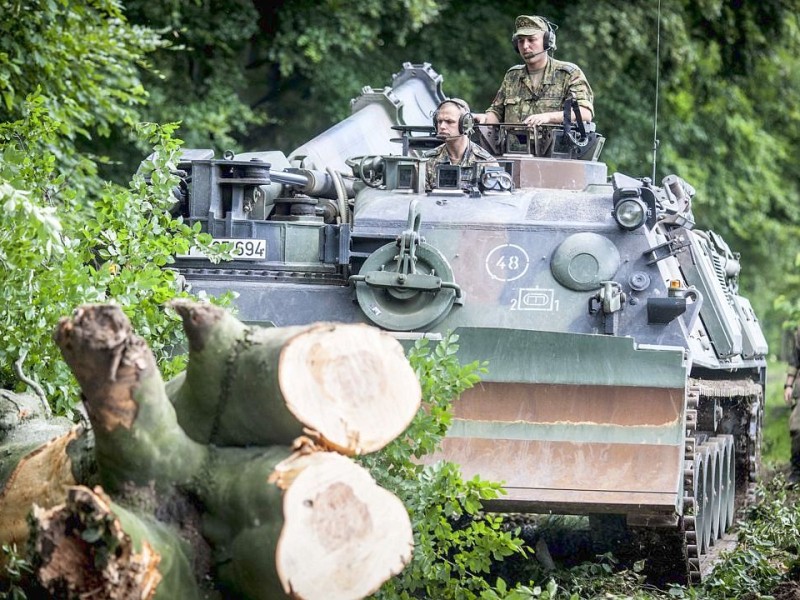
pixel 550 38
pixel 466 124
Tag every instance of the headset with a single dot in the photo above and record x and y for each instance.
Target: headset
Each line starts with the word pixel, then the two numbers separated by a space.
pixel 466 123
pixel 549 41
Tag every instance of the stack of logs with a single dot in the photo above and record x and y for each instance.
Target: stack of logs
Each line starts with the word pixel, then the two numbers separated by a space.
pixel 234 478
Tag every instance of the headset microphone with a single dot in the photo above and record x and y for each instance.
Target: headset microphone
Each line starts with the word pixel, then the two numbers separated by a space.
pixel 534 54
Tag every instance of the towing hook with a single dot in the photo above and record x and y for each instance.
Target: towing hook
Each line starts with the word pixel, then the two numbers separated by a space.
pixel 610 298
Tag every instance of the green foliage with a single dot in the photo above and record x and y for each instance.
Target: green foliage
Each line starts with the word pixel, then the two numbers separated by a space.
pixel 767 552
pixel 14 573
pixel 58 251
pixel 83 53
pixel 768 543
pixel 134 236
pixel 73 73
pixel 311 32
pixel 604 578
pixel 455 545
pixel 40 259
pixel 775 445
pixel 502 592
pixel 443 380
pixel 198 70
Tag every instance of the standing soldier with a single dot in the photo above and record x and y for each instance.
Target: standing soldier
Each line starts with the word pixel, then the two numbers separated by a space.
pixel 534 93
pixel 791 400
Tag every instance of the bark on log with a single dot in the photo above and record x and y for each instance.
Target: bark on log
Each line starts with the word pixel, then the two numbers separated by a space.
pixel 185 507
pixel 138 439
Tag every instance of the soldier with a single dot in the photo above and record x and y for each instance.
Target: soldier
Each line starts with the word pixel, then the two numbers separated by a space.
pixel 453 121
pixel 534 93
pixel 789 398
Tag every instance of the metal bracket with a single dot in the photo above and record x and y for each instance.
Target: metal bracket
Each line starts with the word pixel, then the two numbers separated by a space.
pixel 405 277
pixel 611 299
pixel 670 248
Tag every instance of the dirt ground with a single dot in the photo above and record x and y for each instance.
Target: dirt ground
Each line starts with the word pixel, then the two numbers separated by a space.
pixel 787 591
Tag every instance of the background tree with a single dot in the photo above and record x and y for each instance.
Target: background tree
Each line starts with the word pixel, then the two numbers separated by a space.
pixel 71 77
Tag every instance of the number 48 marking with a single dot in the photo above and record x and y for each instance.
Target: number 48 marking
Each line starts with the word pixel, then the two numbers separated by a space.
pixel 507 262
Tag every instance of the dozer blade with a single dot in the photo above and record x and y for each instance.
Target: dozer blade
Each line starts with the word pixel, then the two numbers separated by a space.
pixel 572 434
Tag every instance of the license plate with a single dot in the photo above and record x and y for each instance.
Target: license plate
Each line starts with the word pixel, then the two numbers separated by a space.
pixel 242 249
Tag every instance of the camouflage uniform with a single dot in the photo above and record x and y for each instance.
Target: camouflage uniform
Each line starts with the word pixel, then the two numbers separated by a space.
pixel 794 418
pixel 439 156
pixel 516 99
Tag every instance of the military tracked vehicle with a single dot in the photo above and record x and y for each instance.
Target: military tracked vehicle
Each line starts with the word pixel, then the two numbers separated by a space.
pixel 626 371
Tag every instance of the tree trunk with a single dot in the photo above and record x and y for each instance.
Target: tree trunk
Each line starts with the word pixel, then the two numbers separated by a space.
pixel 198 476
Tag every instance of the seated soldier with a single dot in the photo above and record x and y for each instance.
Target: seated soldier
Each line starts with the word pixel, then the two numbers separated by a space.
pixel 453 122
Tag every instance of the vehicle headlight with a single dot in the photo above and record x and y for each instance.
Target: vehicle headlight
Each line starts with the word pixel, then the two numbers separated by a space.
pixel 630 213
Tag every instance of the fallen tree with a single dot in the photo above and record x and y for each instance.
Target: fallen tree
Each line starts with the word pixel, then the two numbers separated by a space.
pixel 235 472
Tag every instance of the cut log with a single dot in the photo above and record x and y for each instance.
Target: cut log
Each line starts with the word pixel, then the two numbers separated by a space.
pixel 260 519
pixel 334 534
pixel 343 535
pixel 349 384
pixel 90 547
pixel 36 461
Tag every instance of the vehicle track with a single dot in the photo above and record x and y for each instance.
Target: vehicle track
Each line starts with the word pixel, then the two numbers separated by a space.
pixel 722 463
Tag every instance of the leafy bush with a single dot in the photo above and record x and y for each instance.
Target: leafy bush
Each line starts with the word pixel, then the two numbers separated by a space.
pixel 769 540
pixel 60 249
pixel 15 575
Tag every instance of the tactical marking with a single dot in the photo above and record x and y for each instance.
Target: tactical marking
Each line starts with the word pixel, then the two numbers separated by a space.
pixel 507 262
pixel 535 299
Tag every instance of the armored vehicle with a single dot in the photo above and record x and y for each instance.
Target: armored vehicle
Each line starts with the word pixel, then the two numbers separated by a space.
pixel 626 372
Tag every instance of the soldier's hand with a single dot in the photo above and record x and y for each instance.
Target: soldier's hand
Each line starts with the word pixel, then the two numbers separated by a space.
pixel 535 120
pixel 787 395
